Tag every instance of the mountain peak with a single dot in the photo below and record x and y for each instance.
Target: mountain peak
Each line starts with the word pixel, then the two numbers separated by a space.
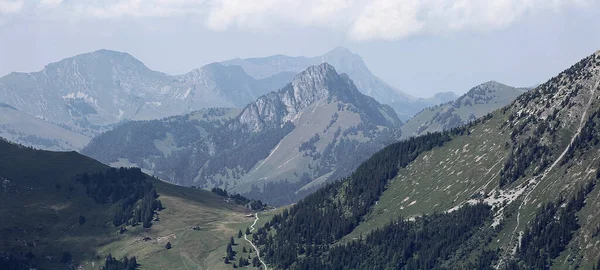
pixel 341 51
pixel 102 58
pixel 489 85
pixel 324 69
pixel 320 81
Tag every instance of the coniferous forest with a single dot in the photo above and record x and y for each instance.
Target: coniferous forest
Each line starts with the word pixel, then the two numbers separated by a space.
pixel 127 186
pixel 307 231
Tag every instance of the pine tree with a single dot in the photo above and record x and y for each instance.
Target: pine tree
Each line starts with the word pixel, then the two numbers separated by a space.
pixel 132 265
pixel 226 259
pixel 230 253
pixel 231 241
pixel 240 234
pixel 168 245
pixel 247 231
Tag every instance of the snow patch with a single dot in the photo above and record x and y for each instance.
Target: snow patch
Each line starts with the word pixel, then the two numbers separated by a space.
pixel 80 95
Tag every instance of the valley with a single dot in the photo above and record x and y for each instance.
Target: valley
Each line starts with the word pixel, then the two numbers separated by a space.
pixel 299 135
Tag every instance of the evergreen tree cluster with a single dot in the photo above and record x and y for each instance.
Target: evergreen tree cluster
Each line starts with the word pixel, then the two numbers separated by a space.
pixel 327 215
pixel 589 136
pixel 239 199
pixel 420 244
pixel 112 263
pixel 129 186
pixel 551 230
pixel 11 262
pixel 309 145
pixel 526 153
pixel 317 221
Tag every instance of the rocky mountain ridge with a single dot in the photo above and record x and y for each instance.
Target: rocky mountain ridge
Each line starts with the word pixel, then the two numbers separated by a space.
pixel 283 140
pixel 347 62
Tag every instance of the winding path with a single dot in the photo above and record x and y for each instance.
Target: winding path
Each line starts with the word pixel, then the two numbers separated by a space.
pixel 252 244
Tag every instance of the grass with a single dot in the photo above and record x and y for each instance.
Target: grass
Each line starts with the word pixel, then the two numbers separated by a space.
pixel 441 179
pixel 40 213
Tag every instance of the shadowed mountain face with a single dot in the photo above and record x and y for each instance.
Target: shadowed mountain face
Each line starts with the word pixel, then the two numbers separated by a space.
pixel 63 210
pixel 285 143
pixel 347 62
pixel 477 102
pixel 91 92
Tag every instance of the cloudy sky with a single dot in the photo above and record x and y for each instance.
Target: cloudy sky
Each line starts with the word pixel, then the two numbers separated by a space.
pixel 419 46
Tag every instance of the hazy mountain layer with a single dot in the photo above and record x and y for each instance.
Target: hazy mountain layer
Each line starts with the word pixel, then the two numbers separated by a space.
pixel 318 127
pixel 347 62
pixel 25 129
pixel 516 189
pixel 477 102
pixel 89 92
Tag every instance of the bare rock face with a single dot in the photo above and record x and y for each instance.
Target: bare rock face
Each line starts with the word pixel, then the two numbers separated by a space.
pixel 317 128
pixel 346 62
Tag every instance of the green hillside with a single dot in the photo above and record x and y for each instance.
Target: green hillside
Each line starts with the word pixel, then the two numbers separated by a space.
pixel 512 190
pixel 41 205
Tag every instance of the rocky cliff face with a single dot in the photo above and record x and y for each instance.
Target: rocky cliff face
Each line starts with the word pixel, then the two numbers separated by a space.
pixel 344 61
pixel 317 128
pixel 320 83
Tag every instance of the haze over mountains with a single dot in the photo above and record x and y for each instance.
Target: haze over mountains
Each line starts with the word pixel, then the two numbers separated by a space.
pixel 515 189
pixel 500 178
pixel 90 93
pixel 477 102
pixel 285 143
pixel 345 62
pixel 317 128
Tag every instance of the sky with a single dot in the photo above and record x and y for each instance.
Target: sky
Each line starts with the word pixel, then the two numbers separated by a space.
pixel 420 47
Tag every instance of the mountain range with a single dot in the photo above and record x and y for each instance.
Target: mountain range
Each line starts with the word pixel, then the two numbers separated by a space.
pixel 477 102
pixel 347 62
pixel 514 189
pixel 92 92
pixel 278 148
pixel 501 178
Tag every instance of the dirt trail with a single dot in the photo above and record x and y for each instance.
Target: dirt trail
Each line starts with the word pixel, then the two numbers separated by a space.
pixel 252 244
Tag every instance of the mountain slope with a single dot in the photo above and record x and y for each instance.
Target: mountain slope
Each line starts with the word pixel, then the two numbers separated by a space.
pixel 477 102
pixel 521 181
pixel 344 61
pixel 89 92
pixel 317 127
pixel 25 129
pixel 48 211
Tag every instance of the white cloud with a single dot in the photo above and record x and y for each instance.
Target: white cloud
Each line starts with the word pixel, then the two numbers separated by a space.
pixel 51 3
pixel 360 19
pixel 394 19
pixel 11 6
pixel 265 14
